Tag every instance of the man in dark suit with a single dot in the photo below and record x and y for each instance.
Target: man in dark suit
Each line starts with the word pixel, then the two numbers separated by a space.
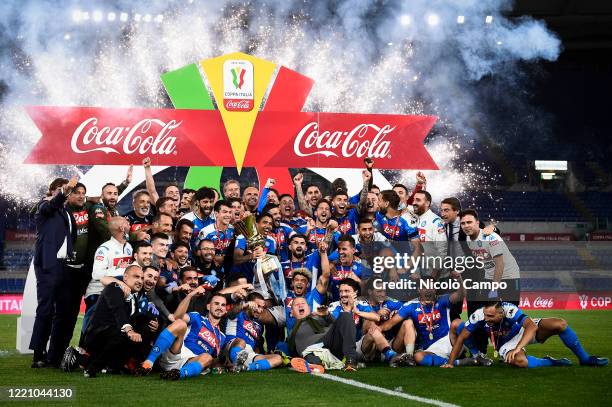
pixel 110 338
pixel 56 232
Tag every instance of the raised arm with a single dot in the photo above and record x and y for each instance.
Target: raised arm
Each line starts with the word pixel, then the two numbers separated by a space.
pixel 323 282
pixel 297 181
pixel 363 195
pixel 149 181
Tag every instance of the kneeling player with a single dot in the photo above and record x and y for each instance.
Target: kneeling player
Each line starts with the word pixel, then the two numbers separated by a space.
pixel 243 336
pixel 191 343
pixel 511 330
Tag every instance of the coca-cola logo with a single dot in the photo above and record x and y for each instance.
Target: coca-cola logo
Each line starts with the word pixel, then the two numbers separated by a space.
pixel 540 302
pixel 364 140
pixel 232 104
pixel 138 139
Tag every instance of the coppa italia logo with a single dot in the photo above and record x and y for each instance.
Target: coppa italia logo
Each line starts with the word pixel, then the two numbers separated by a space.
pixel 238 85
pixel 256 122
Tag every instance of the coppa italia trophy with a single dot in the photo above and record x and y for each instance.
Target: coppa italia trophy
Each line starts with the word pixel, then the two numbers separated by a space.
pixel 268 272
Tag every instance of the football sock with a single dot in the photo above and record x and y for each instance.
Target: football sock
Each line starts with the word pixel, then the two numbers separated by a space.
pixel 162 344
pixel 233 353
pixel 432 360
pixel 532 361
pixel 410 349
pixel 191 369
pixel 263 364
pixel 570 340
pixel 389 353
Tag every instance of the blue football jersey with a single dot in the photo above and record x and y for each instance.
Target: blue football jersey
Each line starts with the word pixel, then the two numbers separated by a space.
pixel 311 262
pixel 397 228
pixel 347 225
pixel 245 328
pixel 281 237
pixel 502 332
pixel 221 239
pixel 203 337
pixel 436 315
pixel 316 236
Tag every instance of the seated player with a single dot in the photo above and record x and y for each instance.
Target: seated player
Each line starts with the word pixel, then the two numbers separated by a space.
pixel 191 343
pixel 511 330
pixel 427 322
pixel 364 317
pixel 375 340
pixel 243 333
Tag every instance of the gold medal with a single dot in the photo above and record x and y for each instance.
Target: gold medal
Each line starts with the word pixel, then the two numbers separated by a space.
pixel 495 354
pixel 430 336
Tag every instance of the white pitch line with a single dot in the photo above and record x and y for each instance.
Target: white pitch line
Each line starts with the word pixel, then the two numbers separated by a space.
pixel 384 391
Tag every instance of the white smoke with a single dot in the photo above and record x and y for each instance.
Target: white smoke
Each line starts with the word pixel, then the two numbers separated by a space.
pixel 361 56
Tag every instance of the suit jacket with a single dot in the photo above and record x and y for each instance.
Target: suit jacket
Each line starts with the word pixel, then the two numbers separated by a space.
pixel 53 225
pixel 112 310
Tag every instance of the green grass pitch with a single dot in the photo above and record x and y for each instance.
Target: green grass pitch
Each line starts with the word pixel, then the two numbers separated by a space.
pixel 475 386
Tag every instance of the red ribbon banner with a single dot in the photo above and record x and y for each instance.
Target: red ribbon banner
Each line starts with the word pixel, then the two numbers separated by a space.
pixel 177 137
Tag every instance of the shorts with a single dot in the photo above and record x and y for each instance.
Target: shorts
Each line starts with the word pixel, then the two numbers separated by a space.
pixel 169 360
pixel 278 312
pixel 442 347
pixel 511 344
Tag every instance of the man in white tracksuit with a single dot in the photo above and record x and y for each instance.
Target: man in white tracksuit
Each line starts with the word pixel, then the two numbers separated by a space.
pixel 432 235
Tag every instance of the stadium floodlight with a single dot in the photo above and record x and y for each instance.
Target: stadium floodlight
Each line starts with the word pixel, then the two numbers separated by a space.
pixel 499 43
pixel 488 19
pixel 549 165
pixel 67 36
pixel 159 18
pixel 111 16
pixel 76 16
pixel 460 19
pixel 548 175
pixel 405 20
pixel 123 17
pixel 147 18
pixel 85 16
pixel 97 16
pixel 433 19
pixel 137 17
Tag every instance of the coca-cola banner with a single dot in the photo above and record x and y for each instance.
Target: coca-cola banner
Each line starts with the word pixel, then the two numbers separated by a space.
pixel 86 135
pixel 566 300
